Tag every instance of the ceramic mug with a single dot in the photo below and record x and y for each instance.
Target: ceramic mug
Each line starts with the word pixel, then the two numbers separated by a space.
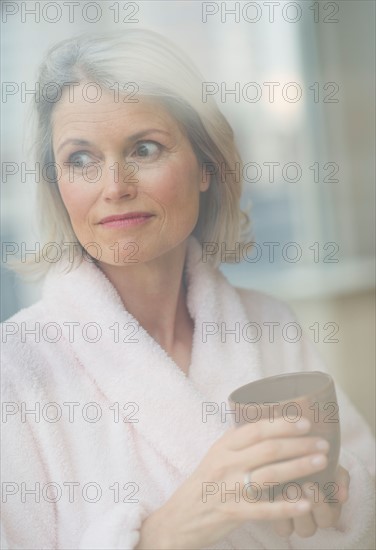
pixel 293 396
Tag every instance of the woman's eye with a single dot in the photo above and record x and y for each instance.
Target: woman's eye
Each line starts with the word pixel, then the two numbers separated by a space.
pixel 79 159
pixel 147 149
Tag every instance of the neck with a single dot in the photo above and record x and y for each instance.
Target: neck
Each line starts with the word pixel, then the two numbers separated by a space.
pixel 155 294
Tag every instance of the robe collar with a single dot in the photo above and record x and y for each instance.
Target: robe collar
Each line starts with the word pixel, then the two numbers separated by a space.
pixel 170 404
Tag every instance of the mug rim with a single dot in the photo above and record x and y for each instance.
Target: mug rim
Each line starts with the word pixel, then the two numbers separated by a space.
pixel 328 382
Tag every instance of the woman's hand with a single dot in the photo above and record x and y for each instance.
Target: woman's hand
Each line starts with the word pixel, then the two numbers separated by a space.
pixel 214 500
pixel 323 512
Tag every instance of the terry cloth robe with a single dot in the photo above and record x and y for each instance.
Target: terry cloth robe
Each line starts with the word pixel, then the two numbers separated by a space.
pixel 120 427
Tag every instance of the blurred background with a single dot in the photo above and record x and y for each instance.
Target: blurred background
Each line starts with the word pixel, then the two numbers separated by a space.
pixel 309 150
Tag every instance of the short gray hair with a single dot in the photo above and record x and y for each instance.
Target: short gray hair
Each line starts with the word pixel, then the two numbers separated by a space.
pixel 164 72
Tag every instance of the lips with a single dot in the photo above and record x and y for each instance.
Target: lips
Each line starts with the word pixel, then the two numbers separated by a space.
pixel 127 216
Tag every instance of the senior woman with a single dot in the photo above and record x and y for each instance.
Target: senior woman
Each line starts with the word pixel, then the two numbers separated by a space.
pixel 106 378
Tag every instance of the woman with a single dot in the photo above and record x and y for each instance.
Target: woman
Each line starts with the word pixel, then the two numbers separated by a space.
pixel 107 378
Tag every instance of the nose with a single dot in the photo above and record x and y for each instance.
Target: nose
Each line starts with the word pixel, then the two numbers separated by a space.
pixel 121 180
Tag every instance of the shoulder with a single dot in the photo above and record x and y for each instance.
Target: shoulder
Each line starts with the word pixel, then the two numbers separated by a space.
pixel 282 341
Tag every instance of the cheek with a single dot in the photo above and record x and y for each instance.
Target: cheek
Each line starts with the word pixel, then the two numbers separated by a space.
pixel 76 201
pixel 176 187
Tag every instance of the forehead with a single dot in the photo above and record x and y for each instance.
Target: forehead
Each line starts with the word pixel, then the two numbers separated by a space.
pixel 109 110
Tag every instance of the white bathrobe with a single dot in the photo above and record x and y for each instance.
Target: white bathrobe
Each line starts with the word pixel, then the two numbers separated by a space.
pixel 120 427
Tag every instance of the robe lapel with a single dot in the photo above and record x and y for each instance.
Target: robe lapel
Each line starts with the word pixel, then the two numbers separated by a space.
pixel 169 404
pixel 223 358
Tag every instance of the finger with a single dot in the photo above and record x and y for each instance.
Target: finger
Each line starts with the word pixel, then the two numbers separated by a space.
pixel 289 470
pixel 305 526
pixel 276 449
pixel 325 514
pixel 343 482
pixel 269 511
pixel 251 433
pixel 284 527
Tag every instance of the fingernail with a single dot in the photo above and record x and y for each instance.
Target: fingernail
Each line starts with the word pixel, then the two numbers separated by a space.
pixel 318 460
pixel 322 445
pixel 303 424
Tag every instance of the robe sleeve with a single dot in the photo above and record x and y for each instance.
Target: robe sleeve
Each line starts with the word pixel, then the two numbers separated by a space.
pixel 28 519
pixel 117 529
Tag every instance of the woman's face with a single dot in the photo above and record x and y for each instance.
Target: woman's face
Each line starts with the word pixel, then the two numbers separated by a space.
pixel 120 158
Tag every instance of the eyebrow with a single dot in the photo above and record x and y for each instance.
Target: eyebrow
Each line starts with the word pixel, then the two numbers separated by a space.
pixel 138 135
